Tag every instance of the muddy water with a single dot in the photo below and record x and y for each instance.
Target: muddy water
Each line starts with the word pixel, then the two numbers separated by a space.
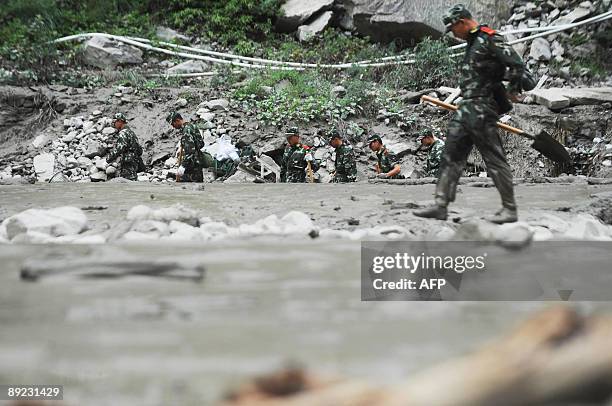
pixel 263 302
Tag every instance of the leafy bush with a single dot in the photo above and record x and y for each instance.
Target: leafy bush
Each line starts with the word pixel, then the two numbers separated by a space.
pixel 279 96
pixel 433 67
pixel 333 46
pixel 225 21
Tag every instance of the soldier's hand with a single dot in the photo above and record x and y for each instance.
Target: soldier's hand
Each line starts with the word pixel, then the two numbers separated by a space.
pixel 180 171
pixel 308 157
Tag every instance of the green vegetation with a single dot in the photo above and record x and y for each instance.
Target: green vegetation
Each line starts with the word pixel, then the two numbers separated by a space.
pixel 27 54
pixel 334 46
pixel 279 96
pixel 594 66
pixel 226 21
pixel 28 26
pixel 433 67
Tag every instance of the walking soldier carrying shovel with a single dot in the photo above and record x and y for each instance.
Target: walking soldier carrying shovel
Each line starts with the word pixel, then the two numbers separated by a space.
pixel 488 60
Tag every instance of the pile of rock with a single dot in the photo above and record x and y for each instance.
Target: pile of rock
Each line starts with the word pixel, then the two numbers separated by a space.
pixel 62 224
pixel 77 154
pixel 182 224
pixel 593 158
pixel 553 55
pixel 385 21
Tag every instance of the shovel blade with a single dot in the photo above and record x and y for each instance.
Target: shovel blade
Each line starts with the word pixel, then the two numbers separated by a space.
pixel 550 148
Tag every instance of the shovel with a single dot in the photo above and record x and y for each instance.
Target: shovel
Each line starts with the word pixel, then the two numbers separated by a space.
pixel 542 142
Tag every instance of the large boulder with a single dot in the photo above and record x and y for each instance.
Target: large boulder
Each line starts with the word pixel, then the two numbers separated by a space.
pixel 579 13
pixel 193 66
pixel 296 12
pixel 411 20
pixel 559 98
pixel 56 222
pixel 44 165
pixel 308 31
pixel 103 52
pixel 540 50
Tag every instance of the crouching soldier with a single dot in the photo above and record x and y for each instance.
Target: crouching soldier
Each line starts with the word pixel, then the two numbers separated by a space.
pixel 434 156
pixel 296 159
pixel 191 157
pixel 387 166
pixel 127 148
pixel 346 167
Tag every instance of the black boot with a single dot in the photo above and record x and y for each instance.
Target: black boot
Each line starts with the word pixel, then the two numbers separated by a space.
pixel 432 212
pixel 503 216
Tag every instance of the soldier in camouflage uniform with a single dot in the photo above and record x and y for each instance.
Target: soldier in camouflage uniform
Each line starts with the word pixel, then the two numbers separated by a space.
pixel 295 159
pixel 192 159
pixel 127 148
pixel 387 166
pixel 488 60
pixel 434 156
pixel 346 167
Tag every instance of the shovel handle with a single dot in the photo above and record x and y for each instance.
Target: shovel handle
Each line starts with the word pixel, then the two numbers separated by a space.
pixel 452 107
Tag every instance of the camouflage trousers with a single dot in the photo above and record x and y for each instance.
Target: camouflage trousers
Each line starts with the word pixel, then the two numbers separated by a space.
pixel 474 124
pixel 296 176
pixel 343 178
pixel 129 170
pixel 193 174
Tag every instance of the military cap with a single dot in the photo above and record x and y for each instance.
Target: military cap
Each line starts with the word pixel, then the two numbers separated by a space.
pixel 425 132
pixel 454 14
pixel 374 137
pixel 333 133
pixel 121 117
pixel 173 116
pixel 292 131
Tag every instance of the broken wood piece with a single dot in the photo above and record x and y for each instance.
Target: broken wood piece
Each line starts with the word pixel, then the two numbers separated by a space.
pixel 555 357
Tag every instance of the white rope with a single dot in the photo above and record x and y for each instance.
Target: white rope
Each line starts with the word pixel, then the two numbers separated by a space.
pixel 260 63
pixel 548 30
pixel 168 52
pixel 598 18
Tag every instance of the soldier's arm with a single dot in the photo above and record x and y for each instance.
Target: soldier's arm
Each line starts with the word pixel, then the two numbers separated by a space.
pixel 118 149
pixel 395 171
pixel 506 54
pixel 187 144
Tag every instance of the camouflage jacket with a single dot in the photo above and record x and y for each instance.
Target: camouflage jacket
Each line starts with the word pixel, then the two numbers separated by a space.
pixel 346 167
pixel 293 164
pixel 126 147
pixel 434 158
pixel 488 60
pixel 386 160
pixel 191 145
